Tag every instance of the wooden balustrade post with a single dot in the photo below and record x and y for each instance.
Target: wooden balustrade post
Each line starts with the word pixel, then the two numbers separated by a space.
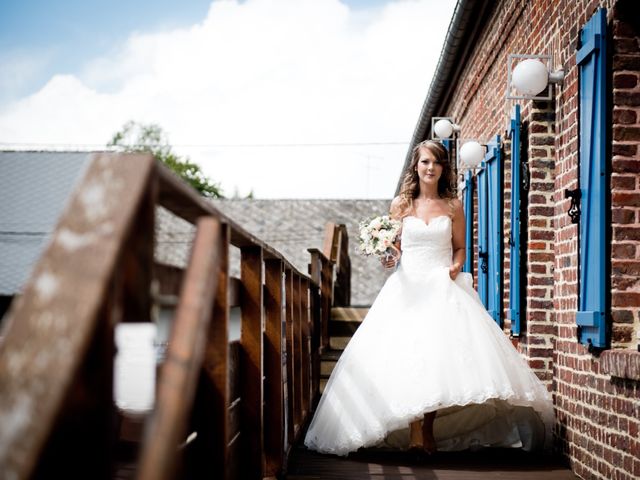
pixel 326 290
pixel 179 374
pixel 306 347
pixel 274 380
pixel 297 345
pixel 251 339
pixel 314 333
pixel 291 358
pixel 208 456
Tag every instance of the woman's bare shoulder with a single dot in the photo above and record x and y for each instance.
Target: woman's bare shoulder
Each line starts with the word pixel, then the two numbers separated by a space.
pixel 395 203
pixel 395 207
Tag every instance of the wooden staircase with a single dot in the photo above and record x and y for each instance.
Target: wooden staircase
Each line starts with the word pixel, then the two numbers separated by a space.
pixel 343 324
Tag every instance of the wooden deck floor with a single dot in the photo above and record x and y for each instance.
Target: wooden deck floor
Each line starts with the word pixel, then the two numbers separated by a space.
pixel 379 465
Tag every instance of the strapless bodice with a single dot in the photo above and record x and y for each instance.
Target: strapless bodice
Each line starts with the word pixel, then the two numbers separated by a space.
pixel 426 246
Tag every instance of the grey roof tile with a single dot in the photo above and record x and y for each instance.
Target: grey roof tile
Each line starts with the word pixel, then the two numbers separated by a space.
pixel 291 226
pixel 34 187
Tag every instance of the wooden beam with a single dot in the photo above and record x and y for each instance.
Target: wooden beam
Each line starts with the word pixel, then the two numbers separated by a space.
pixel 274 380
pixel 179 373
pixel 251 339
pixel 48 330
pixel 330 233
pixel 305 331
pixel 208 455
pixel 136 267
pixel 297 346
pixel 290 356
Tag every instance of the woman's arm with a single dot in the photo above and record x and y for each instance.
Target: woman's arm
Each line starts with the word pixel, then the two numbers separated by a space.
pixel 394 213
pixel 457 239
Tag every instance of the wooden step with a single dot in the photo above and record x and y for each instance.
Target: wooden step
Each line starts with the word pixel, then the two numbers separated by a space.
pixel 339 343
pixel 343 324
pixel 328 361
pixel 349 314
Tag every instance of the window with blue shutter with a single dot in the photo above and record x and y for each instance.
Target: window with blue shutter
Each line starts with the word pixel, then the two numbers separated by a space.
pixel 591 59
pixel 515 292
pixel 490 231
pixel 467 204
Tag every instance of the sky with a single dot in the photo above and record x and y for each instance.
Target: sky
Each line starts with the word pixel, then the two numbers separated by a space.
pixel 280 98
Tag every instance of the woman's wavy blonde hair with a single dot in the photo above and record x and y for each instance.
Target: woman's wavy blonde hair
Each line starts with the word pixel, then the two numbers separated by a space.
pixel 411 184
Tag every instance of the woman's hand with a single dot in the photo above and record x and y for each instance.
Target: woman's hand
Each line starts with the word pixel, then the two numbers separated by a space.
pixel 454 270
pixel 391 260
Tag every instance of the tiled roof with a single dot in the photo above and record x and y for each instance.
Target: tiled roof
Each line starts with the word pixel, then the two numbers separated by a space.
pixel 34 187
pixel 291 226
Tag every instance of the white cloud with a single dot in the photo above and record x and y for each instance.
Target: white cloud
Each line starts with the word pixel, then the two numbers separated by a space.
pixel 260 72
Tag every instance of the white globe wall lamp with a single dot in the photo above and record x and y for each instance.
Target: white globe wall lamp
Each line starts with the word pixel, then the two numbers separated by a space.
pixel 470 154
pixel 443 128
pixel 530 77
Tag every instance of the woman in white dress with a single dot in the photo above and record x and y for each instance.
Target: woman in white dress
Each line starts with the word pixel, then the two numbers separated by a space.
pixel 428 366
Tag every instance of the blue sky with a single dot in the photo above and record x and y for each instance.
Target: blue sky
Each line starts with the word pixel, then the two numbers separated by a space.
pixel 63 34
pixel 222 76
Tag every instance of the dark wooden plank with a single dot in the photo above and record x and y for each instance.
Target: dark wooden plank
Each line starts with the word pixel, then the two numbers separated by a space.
pixel 305 331
pixel 298 412
pixel 137 263
pixel 83 439
pixel 326 292
pixel 342 287
pixel 290 356
pixel 274 381
pixel 179 373
pixel 234 453
pixel 480 465
pixel 235 371
pixel 251 339
pixel 208 455
pixel 314 324
pixel 47 331
pixel 329 241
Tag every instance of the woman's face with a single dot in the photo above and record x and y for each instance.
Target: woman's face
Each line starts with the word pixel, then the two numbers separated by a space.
pixel 429 171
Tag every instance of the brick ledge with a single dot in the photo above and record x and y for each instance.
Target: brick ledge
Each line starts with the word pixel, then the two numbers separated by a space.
pixel 621 363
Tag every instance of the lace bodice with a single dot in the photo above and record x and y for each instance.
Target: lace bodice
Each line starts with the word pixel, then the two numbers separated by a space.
pixel 426 246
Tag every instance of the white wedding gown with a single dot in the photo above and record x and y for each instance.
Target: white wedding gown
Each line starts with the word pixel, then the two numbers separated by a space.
pixel 428 344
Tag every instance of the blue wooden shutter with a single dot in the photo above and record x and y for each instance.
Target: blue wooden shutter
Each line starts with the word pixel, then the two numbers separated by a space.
pixel 467 203
pixel 490 231
pixel 591 60
pixel 483 238
pixel 493 162
pixel 515 297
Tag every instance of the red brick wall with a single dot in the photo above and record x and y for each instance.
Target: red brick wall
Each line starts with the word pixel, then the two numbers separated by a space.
pixel 597 400
pixel 625 184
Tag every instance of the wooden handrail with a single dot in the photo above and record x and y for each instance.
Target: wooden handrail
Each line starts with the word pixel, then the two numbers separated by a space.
pixel 50 331
pixel 185 353
pixel 56 359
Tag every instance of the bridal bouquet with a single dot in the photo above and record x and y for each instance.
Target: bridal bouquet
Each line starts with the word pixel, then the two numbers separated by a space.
pixel 377 235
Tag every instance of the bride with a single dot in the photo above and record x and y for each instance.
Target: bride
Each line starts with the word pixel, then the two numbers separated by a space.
pixel 428 367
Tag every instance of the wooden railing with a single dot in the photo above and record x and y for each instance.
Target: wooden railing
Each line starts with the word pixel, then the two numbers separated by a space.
pixel 247 401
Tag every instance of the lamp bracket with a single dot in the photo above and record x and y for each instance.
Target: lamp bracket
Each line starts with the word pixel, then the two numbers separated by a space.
pixel 511 58
pixel 434 120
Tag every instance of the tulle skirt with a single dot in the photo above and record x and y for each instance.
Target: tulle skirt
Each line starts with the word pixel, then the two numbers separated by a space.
pixel 428 344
